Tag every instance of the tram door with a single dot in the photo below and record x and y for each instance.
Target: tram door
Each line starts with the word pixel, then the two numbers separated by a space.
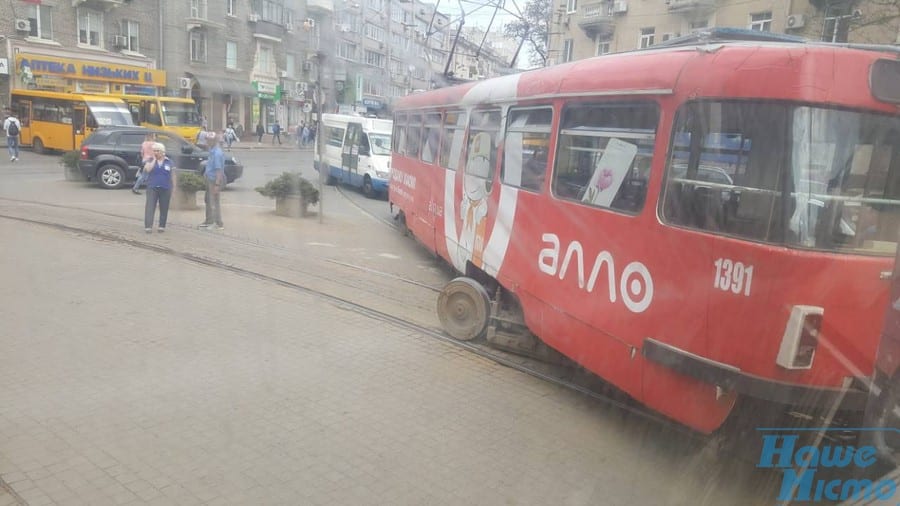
pixel 883 408
pixel 350 155
pixel 79 120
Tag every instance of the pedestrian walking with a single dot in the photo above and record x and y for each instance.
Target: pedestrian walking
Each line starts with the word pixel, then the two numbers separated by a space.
pixel 146 158
pixel 230 136
pixel 260 131
pixel 305 136
pixel 276 132
pixel 215 182
pixel 160 183
pixel 13 129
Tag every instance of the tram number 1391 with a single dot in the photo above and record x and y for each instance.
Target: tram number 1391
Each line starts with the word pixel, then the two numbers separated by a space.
pixel 734 276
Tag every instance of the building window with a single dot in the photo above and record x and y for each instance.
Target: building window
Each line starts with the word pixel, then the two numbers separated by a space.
pixel 230 54
pixel 377 5
pixel 198 46
pixel 289 65
pixel 837 24
pixel 699 25
pixel 90 28
pixel 571 6
pixel 374 32
pixel 198 9
pixel 373 58
pixel 131 31
pixel 761 21
pixel 372 87
pixel 647 37
pixel 229 7
pixel 602 47
pixel 346 50
pixel 568 44
pixel 265 59
pixel 39 15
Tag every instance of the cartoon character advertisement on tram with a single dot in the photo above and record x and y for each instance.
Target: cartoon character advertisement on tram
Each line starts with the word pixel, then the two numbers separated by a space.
pixel 474 205
pixel 479 230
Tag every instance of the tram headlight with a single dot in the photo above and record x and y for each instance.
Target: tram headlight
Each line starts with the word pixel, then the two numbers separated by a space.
pixel 383 174
pixel 801 337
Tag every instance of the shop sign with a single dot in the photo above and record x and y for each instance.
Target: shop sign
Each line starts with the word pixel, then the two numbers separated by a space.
pixel 50 82
pixel 268 91
pixel 98 88
pixel 371 102
pixel 4 66
pixel 28 66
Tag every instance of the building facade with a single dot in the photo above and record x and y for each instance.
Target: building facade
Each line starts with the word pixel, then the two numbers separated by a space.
pixel 83 46
pixel 581 29
pixel 245 62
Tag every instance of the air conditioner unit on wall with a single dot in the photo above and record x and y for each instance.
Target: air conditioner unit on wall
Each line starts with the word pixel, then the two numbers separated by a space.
pixel 253 17
pixel 309 24
pixel 302 87
pixel 23 25
pixel 795 21
pixel 184 83
pixel 283 73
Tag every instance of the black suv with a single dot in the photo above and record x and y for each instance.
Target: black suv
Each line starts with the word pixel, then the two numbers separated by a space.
pixel 111 156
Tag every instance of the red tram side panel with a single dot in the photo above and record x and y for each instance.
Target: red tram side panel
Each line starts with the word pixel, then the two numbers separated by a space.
pixel 711 222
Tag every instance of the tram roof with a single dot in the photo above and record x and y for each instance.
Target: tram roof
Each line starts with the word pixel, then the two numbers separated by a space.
pixel 746 64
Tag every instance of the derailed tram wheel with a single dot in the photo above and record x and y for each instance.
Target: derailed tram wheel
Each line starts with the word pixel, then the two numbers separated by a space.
pixel 464 309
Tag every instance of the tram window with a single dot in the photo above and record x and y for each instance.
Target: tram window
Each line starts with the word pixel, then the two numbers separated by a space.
pixel 604 154
pixel 454 132
pixel 398 138
pixel 413 136
pixel 525 153
pixel 481 145
pixel 807 177
pixel 431 138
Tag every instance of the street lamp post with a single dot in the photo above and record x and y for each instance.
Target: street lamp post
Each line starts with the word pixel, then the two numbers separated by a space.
pixel 320 141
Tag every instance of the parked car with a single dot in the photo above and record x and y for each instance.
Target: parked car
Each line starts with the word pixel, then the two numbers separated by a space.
pixel 111 156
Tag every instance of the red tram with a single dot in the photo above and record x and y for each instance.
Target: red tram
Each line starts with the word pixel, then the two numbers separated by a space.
pixel 693 223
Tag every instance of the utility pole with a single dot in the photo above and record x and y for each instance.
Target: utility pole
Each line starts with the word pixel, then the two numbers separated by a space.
pixel 320 134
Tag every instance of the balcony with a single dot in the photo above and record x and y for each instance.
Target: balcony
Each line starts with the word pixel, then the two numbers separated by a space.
pixel 322 7
pixel 104 5
pixel 596 19
pixel 266 30
pixel 690 6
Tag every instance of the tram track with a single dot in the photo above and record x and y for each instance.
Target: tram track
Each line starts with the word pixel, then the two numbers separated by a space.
pixel 558 375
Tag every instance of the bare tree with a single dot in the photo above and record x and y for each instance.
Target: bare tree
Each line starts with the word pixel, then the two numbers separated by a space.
pixel 532 28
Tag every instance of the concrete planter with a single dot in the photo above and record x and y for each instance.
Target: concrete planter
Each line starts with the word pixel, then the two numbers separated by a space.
pixel 184 201
pixel 292 206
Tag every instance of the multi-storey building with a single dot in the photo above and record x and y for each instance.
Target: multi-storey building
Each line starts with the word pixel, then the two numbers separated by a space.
pixel 242 61
pixel 584 28
pixel 86 46
pixel 478 55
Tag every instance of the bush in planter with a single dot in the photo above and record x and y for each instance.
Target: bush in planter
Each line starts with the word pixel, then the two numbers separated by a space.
pixel 289 189
pixel 187 184
pixel 190 182
pixel 69 162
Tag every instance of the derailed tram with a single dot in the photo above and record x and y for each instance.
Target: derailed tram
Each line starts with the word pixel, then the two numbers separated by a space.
pixel 695 224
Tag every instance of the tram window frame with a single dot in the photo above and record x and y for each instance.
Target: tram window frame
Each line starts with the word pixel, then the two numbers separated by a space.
pixel 484 121
pixel 518 168
pixel 577 161
pixel 431 137
pixel 413 136
pixel 452 138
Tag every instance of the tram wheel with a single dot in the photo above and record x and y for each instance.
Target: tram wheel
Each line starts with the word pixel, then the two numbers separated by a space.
pixel 464 309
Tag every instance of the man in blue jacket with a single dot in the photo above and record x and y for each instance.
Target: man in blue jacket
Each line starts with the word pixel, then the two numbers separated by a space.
pixel 215 182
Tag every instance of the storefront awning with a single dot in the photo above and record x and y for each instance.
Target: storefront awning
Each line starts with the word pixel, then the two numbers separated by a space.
pixel 225 86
